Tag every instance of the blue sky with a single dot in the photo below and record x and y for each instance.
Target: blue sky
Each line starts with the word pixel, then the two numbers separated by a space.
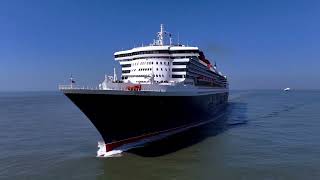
pixel 266 44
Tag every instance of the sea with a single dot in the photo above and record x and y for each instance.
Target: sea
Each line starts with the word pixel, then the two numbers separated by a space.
pixel 262 134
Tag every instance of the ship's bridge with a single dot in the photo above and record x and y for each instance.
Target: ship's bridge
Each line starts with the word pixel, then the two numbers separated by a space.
pixel 159 62
pixel 141 65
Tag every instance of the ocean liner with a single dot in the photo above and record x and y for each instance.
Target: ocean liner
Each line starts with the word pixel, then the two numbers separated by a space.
pixel 165 88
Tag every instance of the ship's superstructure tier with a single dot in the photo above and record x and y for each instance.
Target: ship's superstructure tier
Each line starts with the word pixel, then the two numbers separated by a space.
pixel 160 63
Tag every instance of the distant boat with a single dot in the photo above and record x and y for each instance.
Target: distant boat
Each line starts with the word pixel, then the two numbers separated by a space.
pixel 287 89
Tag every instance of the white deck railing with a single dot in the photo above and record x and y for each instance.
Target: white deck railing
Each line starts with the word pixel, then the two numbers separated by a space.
pixel 117 87
pixel 61 87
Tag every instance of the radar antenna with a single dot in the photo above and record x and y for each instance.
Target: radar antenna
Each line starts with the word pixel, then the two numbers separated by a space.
pixel 161 36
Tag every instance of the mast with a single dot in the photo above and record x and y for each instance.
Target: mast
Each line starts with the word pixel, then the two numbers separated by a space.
pixel 114 75
pixel 72 81
pixel 160 35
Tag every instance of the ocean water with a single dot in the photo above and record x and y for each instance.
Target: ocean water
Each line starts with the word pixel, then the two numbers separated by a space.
pixel 261 135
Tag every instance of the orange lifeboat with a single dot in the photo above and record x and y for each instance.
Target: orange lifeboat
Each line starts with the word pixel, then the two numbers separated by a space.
pixel 134 88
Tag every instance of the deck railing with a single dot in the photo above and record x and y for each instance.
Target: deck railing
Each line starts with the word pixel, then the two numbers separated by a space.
pixel 117 87
pixel 61 87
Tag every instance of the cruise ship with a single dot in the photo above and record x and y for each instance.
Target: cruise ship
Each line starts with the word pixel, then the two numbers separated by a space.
pixel 165 88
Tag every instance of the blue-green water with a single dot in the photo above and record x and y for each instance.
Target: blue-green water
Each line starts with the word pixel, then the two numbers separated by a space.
pixel 262 135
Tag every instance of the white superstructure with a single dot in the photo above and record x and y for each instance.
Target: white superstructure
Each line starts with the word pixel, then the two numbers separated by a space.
pixel 165 63
pixel 163 66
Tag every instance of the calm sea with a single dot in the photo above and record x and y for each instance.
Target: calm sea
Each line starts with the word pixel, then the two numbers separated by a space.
pixel 261 135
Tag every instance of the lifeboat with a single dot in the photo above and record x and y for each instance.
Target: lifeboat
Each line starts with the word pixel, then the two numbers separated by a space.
pixel 134 88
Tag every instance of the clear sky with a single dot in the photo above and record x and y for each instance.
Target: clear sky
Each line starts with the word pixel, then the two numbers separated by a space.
pixel 265 44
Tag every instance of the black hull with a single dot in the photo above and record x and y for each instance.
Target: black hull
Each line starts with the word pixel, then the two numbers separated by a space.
pixel 119 117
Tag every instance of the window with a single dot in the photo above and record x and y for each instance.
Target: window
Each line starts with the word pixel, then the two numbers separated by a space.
pixel 156 62
pixel 126 71
pixel 157 69
pixel 161 63
pixel 161 69
pixel 176 76
pixel 178 69
pixel 180 63
pixel 126 65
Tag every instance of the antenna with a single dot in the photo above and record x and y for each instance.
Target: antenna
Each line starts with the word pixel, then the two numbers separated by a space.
pixel 170 38
pixel 160 35
pixel 115 78
pixel 72 81
pixel 178 38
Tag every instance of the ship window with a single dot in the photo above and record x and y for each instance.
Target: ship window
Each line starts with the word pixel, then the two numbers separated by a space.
pixel 126 71
pixel 160 62
pixel 180 63
pixel 161 69
pixel 126 65
pixel 157 69
pixel 166 69
pixel 151 62
pixel 179 69
pixel 156 62
pixel 162 75
pixel 176 76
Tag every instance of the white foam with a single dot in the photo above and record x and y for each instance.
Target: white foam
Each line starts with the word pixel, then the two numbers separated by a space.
pixel 117 151
pixel 103 153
